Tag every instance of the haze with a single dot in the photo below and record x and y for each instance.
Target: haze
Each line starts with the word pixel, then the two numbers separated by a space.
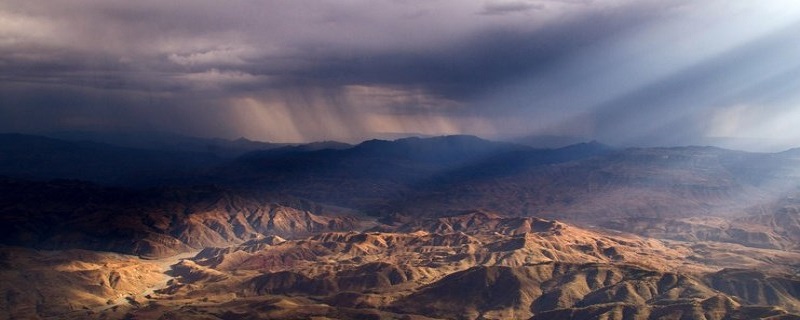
pixel 623 72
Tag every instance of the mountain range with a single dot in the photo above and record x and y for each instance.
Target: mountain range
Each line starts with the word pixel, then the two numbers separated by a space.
pixel 451 227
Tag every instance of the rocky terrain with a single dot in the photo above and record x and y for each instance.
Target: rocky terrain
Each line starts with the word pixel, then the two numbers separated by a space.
pixel 55 283
pixel 435 228
pixel 150 223
pixel 459 268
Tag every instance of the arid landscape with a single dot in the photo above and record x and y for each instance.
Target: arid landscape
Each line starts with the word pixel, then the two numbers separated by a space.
pixel 396 159
pixel 452 227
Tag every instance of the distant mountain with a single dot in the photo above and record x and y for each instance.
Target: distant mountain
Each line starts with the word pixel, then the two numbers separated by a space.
pixel 442 175
pixel 38 157
pixel 294 149
pixel 131 159
pixel 794 152
pixel 373 173
pixel 171 142
pixel 399 135
pixel 649 182
pixel 440 149
pixel 547 141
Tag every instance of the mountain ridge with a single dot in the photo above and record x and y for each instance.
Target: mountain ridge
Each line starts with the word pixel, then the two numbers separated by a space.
pixel 445 227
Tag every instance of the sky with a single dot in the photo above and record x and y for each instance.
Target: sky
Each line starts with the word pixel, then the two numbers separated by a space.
pixel 624 72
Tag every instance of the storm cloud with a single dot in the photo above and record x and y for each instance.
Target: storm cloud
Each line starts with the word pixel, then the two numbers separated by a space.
pixel 624 72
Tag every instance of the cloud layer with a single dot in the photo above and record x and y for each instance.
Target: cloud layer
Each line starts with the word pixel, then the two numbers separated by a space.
pixel 622 71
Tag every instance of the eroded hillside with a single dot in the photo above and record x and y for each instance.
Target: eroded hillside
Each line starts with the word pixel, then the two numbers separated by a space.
pixel 471 266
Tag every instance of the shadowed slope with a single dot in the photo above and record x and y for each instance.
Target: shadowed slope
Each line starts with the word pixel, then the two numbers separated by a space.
pixel 151 223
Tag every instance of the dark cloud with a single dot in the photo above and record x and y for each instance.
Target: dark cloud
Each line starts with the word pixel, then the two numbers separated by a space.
pixel 301 70
pixel 487 58
pixel 502 8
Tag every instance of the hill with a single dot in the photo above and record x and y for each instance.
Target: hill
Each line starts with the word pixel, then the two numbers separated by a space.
pixel 153 222
pixel 464 270
pixel 417 228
